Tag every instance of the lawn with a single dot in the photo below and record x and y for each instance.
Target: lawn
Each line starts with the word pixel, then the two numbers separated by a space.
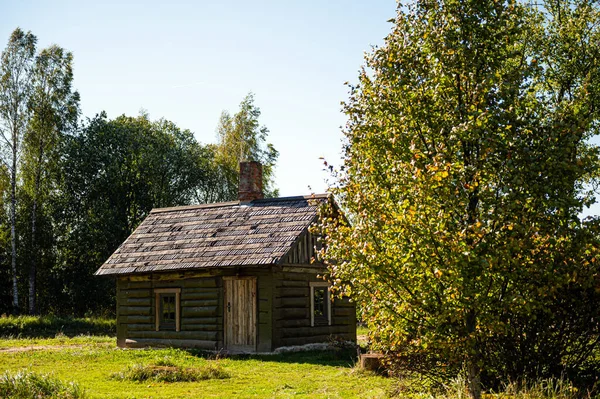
pixel 90 362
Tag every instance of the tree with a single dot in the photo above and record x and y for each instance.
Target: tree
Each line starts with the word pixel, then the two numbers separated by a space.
pixel 242 138
pixel 15 90
pixel 113 173
pixel 54 109
pixel 465 170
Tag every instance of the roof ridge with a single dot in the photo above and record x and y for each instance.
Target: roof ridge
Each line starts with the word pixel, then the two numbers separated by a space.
pixel 197 206
pixel 234 203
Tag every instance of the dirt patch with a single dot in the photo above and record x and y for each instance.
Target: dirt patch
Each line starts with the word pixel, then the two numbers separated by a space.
pixel 39 348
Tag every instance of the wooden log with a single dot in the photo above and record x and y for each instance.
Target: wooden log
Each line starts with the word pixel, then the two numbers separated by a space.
pixel 207 311
pixel 199 320
pixel 199 303
pixel 293 323
pixel 292 302
pixel 294 292
pixel 141 293
pixel 343 312
pixel 139 327
pixel 135 311
pixel 147 301
pixel 372 362
pixel 205 293
pixel 201 335
pixel 137 320
pixel 291 313
pixel 199 327
pixel 180 343
pixel 293 332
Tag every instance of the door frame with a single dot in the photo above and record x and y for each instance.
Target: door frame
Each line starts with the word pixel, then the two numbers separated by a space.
pixel 254 308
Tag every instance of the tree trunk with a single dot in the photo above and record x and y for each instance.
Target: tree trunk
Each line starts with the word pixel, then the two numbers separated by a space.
pixel 473 380
pixel 34 252
pixel 33 265
pixel 13 222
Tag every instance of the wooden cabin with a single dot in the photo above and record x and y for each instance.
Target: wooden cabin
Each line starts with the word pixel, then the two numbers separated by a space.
pixel 233 276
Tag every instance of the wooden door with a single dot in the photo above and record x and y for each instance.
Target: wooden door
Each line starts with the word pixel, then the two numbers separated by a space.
pixel 240 314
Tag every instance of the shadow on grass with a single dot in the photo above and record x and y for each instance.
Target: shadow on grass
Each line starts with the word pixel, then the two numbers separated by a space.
pixel 50 326
pixel 334 358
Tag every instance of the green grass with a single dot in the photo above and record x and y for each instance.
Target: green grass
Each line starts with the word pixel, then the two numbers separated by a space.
pixel 49 326
pixel 29 385
pixel 59 340
pixel 171 373
pixel 297 375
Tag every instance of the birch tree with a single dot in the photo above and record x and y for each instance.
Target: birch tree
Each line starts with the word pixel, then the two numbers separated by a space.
pixel 54 110
pixel 16 68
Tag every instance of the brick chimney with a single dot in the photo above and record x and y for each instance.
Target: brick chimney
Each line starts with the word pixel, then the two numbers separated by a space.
pixel 250 187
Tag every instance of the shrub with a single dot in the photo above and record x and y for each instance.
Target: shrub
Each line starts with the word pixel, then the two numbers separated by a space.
pixel 26 385
pixel 171 373
pixel 49 326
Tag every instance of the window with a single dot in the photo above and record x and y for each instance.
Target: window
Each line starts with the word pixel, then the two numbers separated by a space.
pixel 320 304
pixel 167 308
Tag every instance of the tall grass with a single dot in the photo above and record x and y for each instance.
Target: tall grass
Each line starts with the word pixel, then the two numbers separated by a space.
pixel 29 385
pixel 50 326
pixel 169 372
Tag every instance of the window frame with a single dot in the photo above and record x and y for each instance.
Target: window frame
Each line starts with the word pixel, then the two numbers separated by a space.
pixel 158 293
pixel 318 284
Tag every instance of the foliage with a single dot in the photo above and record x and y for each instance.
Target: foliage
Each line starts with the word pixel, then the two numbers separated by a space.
pixel 242 138
pixel 113 173
pixel 30 385
pixel 16 68
pixel 171 373
pixel 49 326
pixel 54 110
pixel 466 166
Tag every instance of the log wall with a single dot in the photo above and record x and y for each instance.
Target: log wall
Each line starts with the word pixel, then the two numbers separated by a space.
pixel 201 309
pixel 291 310
pixel 201 312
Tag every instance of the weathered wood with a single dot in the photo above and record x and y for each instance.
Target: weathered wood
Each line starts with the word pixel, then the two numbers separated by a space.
pixel 290 302
pixel 240 314
pixel 202 335
pixel 295 332
pixel 292 313
pixel 293 323
pixel 199 327
pixel 180 343
pixel 147 301
pixel 200 303
pixel 206 311
pixel 135 310
pixel 137 319
pixel 139 293
pixel 200 320
pixel 294 292
pixel 342 312
pixel 265 313
pixel 205 293
pixel 372 361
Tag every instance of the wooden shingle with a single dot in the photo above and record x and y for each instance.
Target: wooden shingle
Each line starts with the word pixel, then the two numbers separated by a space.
pixel 228 234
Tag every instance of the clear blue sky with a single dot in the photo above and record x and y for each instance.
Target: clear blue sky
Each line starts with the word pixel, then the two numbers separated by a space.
pixel 188 61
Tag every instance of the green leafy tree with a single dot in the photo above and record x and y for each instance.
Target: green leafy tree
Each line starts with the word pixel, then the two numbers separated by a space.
pixel 16 68
pixel 242 138
pixel 54 110
pixel 113 173
pixel 465 170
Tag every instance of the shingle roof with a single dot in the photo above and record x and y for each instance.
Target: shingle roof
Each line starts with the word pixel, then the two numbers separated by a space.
pixel 225 234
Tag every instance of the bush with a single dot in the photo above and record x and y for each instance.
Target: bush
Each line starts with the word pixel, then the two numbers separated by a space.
pixel 168 372
pixel 49 326
pixel 26 385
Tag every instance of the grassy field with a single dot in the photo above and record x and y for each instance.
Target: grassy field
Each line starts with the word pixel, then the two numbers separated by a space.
pixel 92 361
